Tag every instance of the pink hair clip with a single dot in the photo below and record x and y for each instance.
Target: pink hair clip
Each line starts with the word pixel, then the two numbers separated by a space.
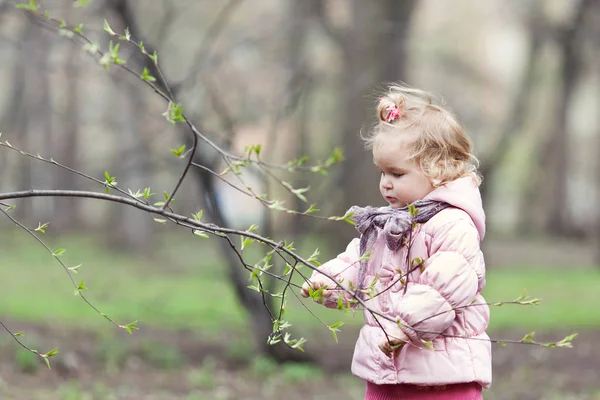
pixel 392 113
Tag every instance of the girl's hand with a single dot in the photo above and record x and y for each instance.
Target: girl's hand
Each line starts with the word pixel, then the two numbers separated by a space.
pixel 315 286
pixel 393 346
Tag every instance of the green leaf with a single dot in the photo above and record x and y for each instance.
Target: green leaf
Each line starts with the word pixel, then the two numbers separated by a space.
pixel 142 47
pixel 91 48
pixel 297 192
pixel 337 324
pixel 81 286
pixel 59 252
pixel 336 156
pixel 75 269
pixel 334 328
pixel 148 193
pixel 312 209
pixel 200 233
pixel 80 3
pixel 49 354
pixel 178 153
pixel 277 205
pixel 113 50
pixel 253 149
pixel 429 344
pixel 147 77
pixel 346 217
pixel 566 342
pixel 256 289
pixel 154 57
pixel 127 34
pixel 198 216
pixel 108 29
pixel 366 256
pixel 66 33
pixel 412 210
pixel 135 195
pixel 160 220
pixel 295 343
pixel 105 61
pixel 78 28
pixel 246 241
pixel 18 334
pixel 316 295
pixel 252 228
pixel 32 6
pixel 297 163
pixel 314 256
pixel 174 113
pixel 531 302
pixel 42 227
pixel 52 352
pixel 130 327
pixel 109 181
pixel 528 338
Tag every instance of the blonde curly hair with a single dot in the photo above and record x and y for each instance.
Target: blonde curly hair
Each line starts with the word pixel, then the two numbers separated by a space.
pixel 442 148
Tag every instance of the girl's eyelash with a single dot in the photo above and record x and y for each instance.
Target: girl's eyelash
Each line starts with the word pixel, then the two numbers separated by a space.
pixel 394 174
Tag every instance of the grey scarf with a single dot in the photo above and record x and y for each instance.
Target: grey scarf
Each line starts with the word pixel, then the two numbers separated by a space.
pixel 395 222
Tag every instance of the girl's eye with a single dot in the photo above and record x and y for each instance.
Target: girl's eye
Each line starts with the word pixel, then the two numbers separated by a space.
pixel 396 175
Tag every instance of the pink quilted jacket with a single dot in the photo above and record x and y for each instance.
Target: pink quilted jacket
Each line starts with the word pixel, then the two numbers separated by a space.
pixel 453 275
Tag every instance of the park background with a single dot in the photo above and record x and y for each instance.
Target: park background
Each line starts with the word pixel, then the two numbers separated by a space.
pixel 300 77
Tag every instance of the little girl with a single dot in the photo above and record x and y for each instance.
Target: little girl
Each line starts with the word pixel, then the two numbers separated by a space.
pixel 425 269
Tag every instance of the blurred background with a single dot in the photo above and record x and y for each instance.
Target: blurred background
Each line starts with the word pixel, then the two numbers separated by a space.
pixel 299 77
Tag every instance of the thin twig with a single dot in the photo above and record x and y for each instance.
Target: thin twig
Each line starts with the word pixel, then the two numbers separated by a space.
pixel 76 172
pixel 16 338
pixel 183 174
pixel 30 232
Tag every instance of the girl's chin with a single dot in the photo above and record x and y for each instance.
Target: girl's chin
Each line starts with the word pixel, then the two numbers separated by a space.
pixel 394 203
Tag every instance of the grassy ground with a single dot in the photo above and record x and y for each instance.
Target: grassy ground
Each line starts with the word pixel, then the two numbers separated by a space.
pixel 182 300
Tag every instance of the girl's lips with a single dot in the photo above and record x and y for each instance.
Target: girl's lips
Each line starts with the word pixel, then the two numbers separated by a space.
pixel 390 199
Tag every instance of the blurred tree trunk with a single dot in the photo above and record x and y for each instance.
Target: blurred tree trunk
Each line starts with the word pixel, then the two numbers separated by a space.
pixel 556 154
pixel 39 122
pixel 65 144
pixel 14 121
pixel 260 320
pixel 299 92
pixel 374 52
pixel 132 230
pixel 595 35
pixel 520 110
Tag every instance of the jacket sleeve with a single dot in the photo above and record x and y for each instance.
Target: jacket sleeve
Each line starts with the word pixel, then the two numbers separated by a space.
pixel 344 268
pixel 454 274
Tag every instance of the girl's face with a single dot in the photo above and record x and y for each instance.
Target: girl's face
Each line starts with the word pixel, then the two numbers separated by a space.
pixel 402 180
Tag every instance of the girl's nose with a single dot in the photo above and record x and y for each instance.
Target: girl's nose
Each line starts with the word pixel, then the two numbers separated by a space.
pixel 386 183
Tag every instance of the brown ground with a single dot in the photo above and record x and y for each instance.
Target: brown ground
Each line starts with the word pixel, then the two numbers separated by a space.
pixel 184 366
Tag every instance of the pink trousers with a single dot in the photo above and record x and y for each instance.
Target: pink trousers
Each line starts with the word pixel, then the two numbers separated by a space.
pixel 461 391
